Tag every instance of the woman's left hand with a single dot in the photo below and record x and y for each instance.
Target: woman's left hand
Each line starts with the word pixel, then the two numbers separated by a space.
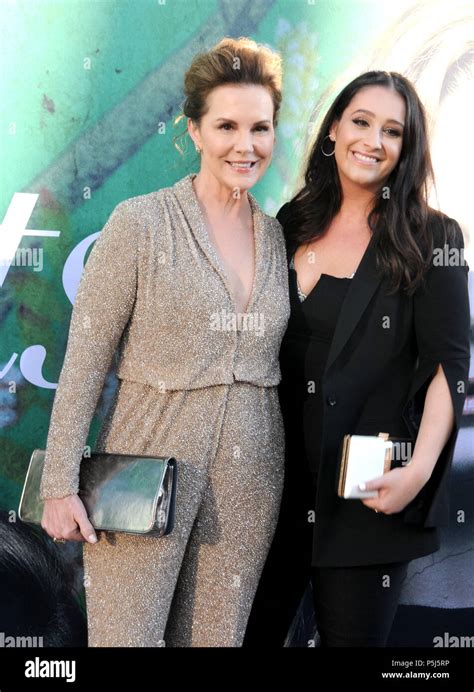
pixel 396 489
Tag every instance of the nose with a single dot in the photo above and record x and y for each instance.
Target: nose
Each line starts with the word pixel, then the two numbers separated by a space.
pixel 373 138
pixel 244 141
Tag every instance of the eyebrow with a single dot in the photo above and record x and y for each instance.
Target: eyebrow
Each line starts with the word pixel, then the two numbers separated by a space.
pixel 390 120
pixel 229 120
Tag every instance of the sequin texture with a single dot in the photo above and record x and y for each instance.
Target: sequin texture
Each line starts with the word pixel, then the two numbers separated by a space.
pixel 193 386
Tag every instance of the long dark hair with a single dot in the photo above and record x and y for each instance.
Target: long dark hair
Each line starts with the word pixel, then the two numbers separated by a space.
pixel 399 218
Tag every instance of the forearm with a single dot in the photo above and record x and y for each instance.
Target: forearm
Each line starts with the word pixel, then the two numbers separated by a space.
pixel 102 309
pixel 435 427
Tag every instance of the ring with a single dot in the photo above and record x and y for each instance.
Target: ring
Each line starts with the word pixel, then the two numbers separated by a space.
pixel 59 540
pixel 376 510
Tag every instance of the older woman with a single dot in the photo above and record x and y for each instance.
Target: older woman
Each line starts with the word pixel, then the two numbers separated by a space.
pixel 190 282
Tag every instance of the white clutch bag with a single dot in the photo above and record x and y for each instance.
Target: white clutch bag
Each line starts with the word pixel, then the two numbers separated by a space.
pixel 365 457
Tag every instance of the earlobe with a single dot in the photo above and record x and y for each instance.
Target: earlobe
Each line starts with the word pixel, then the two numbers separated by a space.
pixel 191 131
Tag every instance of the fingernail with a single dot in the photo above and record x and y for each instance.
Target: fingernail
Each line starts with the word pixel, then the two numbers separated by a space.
pixel 362 486
pixel 92 538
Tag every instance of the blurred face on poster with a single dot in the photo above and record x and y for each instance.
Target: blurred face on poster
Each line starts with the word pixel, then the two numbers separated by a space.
pixel 452 160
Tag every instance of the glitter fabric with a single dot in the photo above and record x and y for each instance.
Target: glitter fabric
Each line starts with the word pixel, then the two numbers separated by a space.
pixel 194 385
pixel 229 442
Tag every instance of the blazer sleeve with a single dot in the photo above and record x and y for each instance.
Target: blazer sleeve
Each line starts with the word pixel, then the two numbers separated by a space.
pixel 442 325
pixel 102 308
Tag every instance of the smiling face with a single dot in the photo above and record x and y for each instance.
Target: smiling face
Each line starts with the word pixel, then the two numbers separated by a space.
pixel 236 135
pixel 368 137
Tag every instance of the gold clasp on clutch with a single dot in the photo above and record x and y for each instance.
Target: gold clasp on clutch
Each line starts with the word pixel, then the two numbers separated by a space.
pixel 387 463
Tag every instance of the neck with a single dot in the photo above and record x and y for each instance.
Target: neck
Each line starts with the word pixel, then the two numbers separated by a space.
pixel 219 199
pixel 357 201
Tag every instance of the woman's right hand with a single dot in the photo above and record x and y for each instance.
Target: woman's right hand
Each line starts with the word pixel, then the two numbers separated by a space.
pixel 66 517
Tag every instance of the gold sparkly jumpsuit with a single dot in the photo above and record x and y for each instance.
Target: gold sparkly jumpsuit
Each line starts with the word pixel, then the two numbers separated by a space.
pixel 196 381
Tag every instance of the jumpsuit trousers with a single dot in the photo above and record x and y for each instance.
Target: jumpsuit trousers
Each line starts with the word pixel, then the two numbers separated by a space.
pixel 194 587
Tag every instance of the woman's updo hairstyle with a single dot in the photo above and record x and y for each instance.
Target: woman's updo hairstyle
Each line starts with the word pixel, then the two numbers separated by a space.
pixel 231 61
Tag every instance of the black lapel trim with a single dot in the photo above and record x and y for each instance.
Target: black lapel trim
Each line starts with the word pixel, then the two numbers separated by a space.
pixel 362 288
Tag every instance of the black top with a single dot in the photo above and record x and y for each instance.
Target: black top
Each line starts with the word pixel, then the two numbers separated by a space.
pixel 376 379
pixel 303 356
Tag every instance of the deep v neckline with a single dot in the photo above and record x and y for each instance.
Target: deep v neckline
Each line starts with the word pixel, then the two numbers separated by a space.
pixel 256 223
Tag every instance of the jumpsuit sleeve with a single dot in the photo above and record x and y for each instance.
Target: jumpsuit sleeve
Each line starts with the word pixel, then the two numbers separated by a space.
pixel 102 308
pixel 442 324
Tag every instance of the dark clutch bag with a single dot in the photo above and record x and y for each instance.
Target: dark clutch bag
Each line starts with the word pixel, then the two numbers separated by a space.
pixel 121 492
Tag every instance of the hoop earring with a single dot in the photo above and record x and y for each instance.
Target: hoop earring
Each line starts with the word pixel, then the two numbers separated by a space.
pixel 322 145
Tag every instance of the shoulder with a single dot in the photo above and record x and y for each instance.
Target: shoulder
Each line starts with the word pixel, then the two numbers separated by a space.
pixel 448 243
pixel 283 213
pixel 137 216
pixel 143 204
pixel 444 230
pixel 271 224
pixel 445 279
pixel 274 230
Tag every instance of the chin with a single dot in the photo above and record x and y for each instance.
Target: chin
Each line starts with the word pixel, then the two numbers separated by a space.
pixel 366 181
pixel 240 181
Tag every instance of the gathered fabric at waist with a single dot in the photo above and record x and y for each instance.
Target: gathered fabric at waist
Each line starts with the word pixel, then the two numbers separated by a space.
pixel 198 380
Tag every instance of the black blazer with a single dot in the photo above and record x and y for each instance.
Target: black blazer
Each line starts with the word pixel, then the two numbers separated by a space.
pixel 375 380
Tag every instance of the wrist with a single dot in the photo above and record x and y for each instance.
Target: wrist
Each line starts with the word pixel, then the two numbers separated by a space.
pixel 417 473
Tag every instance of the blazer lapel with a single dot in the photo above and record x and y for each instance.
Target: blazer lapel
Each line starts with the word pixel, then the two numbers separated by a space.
pixel 362 287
